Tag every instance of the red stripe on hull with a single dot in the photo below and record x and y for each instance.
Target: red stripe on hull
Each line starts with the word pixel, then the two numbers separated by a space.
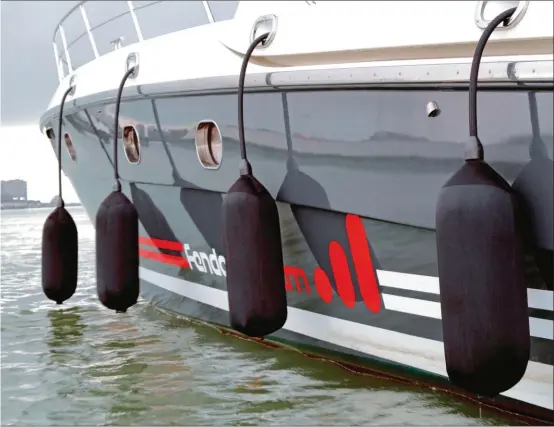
pixel 161 244
pixel 166 259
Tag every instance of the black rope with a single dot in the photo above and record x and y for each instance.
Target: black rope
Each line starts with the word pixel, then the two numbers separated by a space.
pixel 116 127
pixel 245 168
pixel 61 203
pixel 474 74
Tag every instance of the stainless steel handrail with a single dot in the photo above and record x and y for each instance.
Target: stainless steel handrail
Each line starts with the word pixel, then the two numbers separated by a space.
pixel 64 57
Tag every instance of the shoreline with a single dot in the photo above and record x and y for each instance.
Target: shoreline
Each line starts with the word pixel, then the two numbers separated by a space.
pixel 31 205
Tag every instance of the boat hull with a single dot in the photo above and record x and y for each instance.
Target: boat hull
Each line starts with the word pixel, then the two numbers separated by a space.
pixel 371 155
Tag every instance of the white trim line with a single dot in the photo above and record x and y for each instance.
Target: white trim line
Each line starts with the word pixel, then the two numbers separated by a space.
pixel 412 306
pixel 537 298
pixel 420 353
pixel 540 328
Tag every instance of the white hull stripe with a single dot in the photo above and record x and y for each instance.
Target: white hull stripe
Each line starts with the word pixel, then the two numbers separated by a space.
pixel 540 328
pixel 537 298
pixel 421 353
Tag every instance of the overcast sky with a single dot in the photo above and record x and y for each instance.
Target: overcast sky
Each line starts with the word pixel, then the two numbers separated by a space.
pixel 28 68
pixel 29 75
pixel 28 80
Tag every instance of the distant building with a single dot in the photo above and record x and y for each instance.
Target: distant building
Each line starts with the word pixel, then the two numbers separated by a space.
pixel 14 190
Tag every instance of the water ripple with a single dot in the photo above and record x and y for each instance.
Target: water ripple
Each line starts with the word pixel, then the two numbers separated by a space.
pixel 84 365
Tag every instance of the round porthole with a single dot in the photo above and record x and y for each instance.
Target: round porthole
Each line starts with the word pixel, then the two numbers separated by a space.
pixel 209 144
pixel 131 143
pixel 70 148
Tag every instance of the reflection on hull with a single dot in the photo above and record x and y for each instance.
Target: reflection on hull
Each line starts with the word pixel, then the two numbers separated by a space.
pixel 324 155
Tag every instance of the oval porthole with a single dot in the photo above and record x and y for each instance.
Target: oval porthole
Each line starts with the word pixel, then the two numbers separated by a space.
pixel 209 144
pixel 70 148
pixel 50 134
pixel 131 143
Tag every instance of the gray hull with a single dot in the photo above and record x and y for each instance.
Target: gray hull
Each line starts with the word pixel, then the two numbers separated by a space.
pixel 372 153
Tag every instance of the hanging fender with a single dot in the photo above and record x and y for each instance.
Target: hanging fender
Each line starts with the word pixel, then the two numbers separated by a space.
pixel 483 289
pixel 59 236
pixel 252 242
pixel 117 251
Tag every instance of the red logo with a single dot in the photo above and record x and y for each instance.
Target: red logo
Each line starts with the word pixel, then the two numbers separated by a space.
pixel 296 276
pixel 363 266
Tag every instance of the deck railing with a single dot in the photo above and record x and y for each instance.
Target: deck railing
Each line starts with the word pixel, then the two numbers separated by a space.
pixel 64 63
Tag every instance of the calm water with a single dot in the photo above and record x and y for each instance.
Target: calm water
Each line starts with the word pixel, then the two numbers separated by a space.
pixel 85 365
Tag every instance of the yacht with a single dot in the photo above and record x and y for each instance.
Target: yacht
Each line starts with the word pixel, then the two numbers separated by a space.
pixel 355 116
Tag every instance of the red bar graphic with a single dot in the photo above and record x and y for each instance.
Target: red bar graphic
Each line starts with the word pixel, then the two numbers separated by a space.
pixel 343 279
pixel 162 244
pixel 166 259
pixel 363 265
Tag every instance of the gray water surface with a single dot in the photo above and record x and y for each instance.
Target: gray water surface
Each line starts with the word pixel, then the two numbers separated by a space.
pixel 84 365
